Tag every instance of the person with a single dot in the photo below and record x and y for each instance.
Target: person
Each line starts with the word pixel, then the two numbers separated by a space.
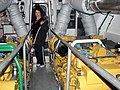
pixel 40 28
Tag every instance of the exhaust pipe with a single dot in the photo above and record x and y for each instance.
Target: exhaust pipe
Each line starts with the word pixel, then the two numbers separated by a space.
pixel 17 20
pixel 87 20
pixel 63 19
pixel 89 24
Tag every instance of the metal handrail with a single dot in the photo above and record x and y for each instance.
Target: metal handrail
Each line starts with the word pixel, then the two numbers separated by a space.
pixel 100 71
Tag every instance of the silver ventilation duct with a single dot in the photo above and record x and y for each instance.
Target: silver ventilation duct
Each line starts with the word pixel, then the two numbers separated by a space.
pixel 105 6
pixel 17 20
pixel 89 24
pixel 63 19
pixel 4 4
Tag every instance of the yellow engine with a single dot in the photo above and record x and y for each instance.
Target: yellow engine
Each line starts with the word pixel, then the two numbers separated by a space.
pixel 5 82
pixel 13 75
pixel 81 76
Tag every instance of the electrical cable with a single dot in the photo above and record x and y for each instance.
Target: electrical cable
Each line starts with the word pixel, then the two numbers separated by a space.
pixel 103 22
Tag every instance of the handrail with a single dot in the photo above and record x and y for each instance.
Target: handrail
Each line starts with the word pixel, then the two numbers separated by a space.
pixel 103 73
pixel 10 48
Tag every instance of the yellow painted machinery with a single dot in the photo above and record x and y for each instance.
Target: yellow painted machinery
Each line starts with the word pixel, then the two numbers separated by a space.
pixel 12 77
pixel 5 79
pixel 81 76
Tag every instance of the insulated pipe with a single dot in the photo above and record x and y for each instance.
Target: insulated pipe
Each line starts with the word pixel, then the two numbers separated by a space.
pixel 63 19
pixel 89 24
pixel 104 5
pixel 4 4
pixel 17 20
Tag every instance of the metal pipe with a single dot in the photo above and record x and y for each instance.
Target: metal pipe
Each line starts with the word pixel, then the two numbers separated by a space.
pixel 105 5
pixel 10 48
pixel 24 60
pixel 63 19
pixel 4 4
pixel 68 70
pixel 110 78
pixel 14 77
pixel 57 46
pixel 17 20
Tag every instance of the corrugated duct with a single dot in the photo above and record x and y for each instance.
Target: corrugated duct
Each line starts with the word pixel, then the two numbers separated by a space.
pixel 4 4
pixel 17 20
pixel 63 19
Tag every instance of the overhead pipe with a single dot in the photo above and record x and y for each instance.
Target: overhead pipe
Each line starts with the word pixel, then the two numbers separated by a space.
pixel 104 5
pixel 17 20
pixel 4 4
pixel 63 19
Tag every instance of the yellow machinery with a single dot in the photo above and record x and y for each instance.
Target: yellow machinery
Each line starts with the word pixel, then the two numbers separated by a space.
pixel 81 76
pixel 5 82
pixel 12 78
